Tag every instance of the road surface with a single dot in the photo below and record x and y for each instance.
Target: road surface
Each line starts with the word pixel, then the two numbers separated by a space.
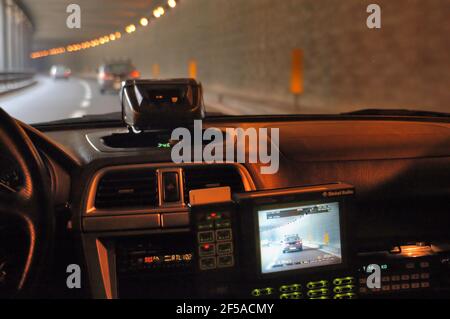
pixel 50 100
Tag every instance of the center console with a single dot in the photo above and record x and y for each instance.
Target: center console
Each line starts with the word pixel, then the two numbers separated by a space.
pixel 288 244
pixel 292 243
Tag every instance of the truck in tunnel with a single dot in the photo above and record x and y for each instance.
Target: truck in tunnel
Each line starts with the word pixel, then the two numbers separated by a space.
pixel 250 151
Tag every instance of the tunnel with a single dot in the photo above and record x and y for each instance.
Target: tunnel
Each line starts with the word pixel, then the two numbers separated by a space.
pixel 252 57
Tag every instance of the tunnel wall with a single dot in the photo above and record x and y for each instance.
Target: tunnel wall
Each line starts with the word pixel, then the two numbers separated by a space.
pixel 243 50
pixel 15 37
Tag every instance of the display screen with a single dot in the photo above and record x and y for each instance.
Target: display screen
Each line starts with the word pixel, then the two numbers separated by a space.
pixel 299 236
pixel 182 95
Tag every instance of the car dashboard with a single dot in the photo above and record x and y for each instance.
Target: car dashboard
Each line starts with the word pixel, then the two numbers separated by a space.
pixel 374 192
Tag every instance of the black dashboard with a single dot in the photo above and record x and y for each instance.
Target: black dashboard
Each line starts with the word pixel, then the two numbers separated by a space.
pixel 143 237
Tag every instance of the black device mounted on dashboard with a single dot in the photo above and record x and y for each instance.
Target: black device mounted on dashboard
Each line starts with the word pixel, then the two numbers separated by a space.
pixel 161 104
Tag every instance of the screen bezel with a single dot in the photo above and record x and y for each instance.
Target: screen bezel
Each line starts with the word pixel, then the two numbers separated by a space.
pixel 302 271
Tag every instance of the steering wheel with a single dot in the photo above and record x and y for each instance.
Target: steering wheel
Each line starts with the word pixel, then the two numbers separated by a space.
pixel 31 205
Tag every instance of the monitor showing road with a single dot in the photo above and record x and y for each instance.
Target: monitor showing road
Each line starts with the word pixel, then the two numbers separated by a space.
pixel 299 236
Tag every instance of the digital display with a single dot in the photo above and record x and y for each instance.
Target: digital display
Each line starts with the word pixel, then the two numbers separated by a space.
pixel 299 237
pixel 164 260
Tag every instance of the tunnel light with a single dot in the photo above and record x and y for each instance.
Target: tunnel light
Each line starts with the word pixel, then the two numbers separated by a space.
pixel 39 54
pixel 131 28
pixel 172 3
pixel 56 51
pixel 144 22
pixel 74 47
pixel 158 12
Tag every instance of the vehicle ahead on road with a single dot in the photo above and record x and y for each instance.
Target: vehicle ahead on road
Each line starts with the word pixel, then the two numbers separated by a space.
pixel 292 243
pixel 60 72
pixel 111 75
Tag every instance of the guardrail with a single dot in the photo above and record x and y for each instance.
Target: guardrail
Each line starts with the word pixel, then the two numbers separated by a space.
pixel 11 81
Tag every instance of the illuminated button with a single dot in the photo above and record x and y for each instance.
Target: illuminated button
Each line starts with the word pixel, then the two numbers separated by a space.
pixel 385 279
pixel 425 275
pixel 225 248
pixel 395 278
pixel 343 281
pixel 415 276
pixel 207 263
pixel 262 292
pixel 292 296
pixel 207 250
pixel 415 285
pixel 343 289
pixel 223 234
pixel 225 261
pixel 396 287
pixel 406 286
pixel 318 292
pixel 205 226
pixel 424 264
pixel 376 290
pixel 405 277
pixel 226 223
pixel 386 288
pixel 205 237
pixel 214 216
pixel 290 288
pixel 425 284
pixel 349 295
pixel 410 266
pixel 256 292
pixel 317 284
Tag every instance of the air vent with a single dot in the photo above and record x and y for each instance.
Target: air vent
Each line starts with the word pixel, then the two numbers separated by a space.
pixel 132 188
pixel 212 176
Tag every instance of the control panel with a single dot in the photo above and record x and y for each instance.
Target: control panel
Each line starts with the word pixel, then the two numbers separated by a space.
pixel 213 227
pixel 326 288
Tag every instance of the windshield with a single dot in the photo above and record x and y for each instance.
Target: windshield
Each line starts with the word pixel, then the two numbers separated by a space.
pixel 252 57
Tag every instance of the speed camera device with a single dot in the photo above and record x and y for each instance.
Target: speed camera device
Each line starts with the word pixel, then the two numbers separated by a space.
pixel 161 104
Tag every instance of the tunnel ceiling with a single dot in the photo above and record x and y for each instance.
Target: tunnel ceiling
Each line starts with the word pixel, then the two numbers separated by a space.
pixel 98 17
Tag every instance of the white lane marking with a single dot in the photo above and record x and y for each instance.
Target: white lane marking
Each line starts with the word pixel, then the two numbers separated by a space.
pixel 87 90
pixel 87 94
pixel 85 104
pixel 78 113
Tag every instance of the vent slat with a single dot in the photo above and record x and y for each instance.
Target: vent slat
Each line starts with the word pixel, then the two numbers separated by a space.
pixel 127 189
